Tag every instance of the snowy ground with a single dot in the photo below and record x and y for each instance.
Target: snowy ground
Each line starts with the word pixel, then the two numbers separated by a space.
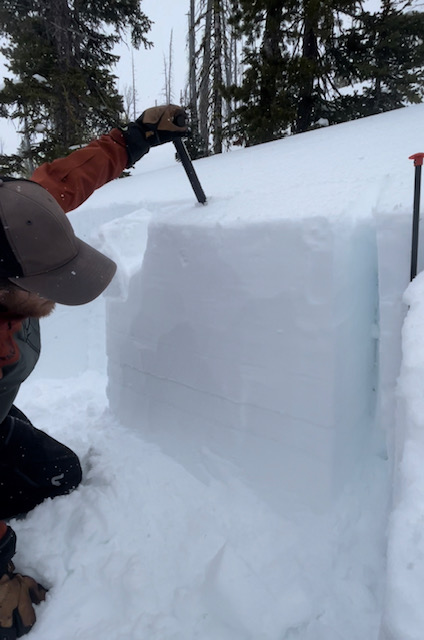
pixel 143 549
pixel 147 548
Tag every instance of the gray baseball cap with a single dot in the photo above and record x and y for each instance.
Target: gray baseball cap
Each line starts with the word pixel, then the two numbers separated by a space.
pixel 39 251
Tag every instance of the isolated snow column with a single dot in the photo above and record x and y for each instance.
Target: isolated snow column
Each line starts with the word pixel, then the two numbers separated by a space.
pixel 231 348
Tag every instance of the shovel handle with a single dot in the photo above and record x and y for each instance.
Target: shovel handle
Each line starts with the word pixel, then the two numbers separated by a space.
pixel 189 169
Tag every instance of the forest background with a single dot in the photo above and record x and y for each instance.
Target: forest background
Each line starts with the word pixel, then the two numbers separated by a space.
pixel 255 70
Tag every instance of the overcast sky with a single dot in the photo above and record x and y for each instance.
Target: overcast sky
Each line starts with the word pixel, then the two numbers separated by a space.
pixel 167 15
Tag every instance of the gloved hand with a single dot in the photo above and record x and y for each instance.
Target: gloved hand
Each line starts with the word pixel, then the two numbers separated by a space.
pixel 17 595
pixel 155 126
pixel 163 124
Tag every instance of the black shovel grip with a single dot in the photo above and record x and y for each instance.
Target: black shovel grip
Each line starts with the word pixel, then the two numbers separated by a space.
pixel 189 169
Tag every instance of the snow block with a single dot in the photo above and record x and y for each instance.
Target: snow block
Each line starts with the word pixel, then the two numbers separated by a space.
pixel 252 345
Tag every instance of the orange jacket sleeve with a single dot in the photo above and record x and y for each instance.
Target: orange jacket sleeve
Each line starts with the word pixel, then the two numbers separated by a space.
pixel 73 179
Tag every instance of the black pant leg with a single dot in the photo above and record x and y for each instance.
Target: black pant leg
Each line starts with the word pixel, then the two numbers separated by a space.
pixel 33 466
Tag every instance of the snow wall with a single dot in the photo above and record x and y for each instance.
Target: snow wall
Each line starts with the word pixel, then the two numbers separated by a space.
pixel 253 345
pixel 263 331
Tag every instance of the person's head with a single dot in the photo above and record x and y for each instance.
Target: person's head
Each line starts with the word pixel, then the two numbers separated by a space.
pixel 40 256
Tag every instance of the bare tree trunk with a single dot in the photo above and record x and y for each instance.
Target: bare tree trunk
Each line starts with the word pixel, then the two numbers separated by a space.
pixel 309 60
pixel 134 90
pixel 168 72
pixel 228 58
pixel 271 55
pixel 217 79
pixel 192 62
pixel 26 148
pixel 205 75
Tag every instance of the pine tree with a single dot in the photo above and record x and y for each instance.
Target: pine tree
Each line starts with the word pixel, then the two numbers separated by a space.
pixel 382 57
pixel 265 108
pixel 305 60
pixel 61 55
pixel 287 80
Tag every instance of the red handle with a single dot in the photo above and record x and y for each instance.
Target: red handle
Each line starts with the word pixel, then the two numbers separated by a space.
pixel 418 159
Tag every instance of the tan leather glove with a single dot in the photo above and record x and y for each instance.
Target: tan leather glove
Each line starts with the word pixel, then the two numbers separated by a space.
pixel 163 124
pixel 155 126
pixel 17 595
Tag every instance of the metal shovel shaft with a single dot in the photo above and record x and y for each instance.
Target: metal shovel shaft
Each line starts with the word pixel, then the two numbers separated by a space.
pixel 189 169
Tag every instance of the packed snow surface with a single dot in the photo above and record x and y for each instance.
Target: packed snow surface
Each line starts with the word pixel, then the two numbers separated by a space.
pixel 246 401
